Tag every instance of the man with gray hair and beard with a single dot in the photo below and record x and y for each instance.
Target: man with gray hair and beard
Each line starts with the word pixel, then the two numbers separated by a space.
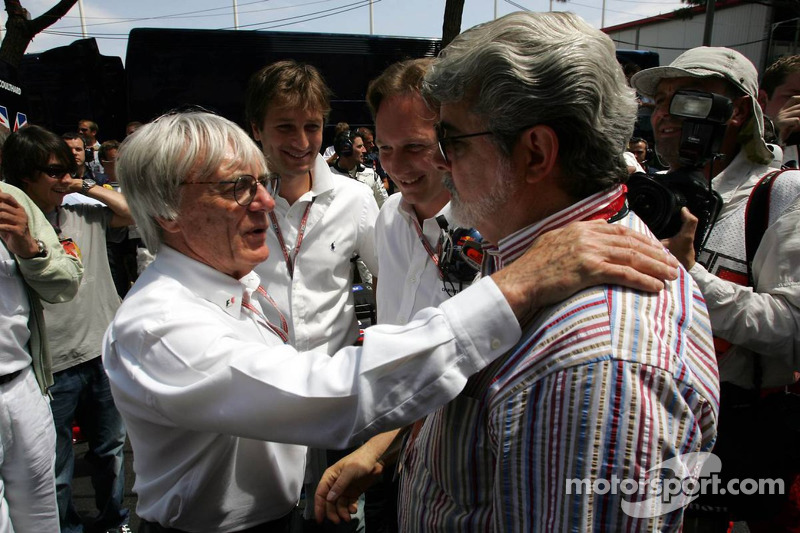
pixel 604 385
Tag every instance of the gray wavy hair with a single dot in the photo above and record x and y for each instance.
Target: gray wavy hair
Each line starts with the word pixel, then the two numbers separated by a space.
pixel 153 163
pixel 544 68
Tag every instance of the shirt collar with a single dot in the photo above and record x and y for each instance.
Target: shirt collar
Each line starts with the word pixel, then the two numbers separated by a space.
pixel 602 205
pixel 407 211
pixel 206 282
pixel 322 180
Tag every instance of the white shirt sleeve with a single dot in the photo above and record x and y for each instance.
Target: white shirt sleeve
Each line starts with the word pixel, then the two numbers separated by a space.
pixel 767 321
pixel 192 366
pixel 367 248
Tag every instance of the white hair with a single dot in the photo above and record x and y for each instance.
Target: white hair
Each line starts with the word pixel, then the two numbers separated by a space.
pixel 153 162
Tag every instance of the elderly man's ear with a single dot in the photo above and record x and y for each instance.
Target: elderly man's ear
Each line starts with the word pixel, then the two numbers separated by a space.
pixel 169 226
pixel 537 152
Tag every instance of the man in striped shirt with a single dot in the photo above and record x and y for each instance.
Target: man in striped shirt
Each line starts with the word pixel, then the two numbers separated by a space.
pixel 604 386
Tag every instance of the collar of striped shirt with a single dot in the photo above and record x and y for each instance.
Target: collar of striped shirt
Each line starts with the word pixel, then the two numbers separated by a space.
pixel 601 205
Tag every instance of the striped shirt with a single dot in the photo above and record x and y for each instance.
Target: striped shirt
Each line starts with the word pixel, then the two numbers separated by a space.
pixel 607 384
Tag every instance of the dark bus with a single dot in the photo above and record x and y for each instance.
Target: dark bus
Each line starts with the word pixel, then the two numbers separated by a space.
pixel 169 68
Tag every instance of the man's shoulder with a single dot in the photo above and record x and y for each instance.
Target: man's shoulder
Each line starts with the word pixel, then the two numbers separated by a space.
pixel 788 178
pixel 586 329
pixel 18 194
pixel 391 207
pixel 338 172
pixel 89 213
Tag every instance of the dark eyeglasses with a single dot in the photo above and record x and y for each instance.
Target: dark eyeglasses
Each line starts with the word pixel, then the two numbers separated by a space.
pixel 444 140
pixel 55 171
pixel 245 187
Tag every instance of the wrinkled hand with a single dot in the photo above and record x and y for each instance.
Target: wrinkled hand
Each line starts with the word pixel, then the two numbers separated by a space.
pixel 787 120
pixel 337 493
pixel 682 243
pixel 14 228
pixel 580 255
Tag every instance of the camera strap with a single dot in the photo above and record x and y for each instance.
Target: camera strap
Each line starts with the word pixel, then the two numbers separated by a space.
pixel 756 218
pixel 756 221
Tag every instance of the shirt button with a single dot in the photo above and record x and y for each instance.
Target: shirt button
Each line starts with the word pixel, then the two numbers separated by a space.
pixel 413 279
pixel 496 344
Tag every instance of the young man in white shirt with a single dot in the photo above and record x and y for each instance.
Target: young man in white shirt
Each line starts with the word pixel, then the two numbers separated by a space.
pixel 322 222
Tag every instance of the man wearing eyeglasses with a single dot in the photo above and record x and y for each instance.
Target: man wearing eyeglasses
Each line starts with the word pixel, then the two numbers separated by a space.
pixel 219 406
pixel 75 329
pixel 606 383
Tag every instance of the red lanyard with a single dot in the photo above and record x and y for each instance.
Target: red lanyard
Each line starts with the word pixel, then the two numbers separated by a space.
pixel 290 260
pixel 283 330
pixel 433 255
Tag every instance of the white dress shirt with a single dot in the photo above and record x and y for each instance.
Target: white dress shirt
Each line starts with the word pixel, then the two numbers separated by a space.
pixel 319 298
pixel 202 387
pixel 409 279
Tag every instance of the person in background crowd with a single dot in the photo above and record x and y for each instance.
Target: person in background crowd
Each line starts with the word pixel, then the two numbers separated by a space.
pixel 780 100
pixel 372 158
pixel 88 130
pixel 122 242
pixel 75 329
pixel 330 151
pixel 33 267
pixel 756 328
pixel 77 145
pixel 350 154
pixel 108 158
pixel 131 127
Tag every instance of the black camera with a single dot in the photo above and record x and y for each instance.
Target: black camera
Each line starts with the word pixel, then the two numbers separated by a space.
pixel 658 199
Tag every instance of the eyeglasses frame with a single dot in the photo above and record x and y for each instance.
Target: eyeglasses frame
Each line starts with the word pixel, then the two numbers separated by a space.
pixel 442 140
pixel 262 180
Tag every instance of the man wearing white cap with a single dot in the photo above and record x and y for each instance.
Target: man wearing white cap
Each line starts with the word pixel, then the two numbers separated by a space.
pixel 757 326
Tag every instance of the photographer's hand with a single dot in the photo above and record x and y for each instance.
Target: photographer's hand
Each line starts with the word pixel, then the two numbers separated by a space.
pixel 787 121
pixel 682 243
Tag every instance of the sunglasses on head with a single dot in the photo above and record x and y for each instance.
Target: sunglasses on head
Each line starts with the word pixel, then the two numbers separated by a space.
pixel 55 171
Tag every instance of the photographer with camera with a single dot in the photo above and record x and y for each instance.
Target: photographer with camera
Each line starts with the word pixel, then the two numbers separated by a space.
pixel 780 91
pixel 755 313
